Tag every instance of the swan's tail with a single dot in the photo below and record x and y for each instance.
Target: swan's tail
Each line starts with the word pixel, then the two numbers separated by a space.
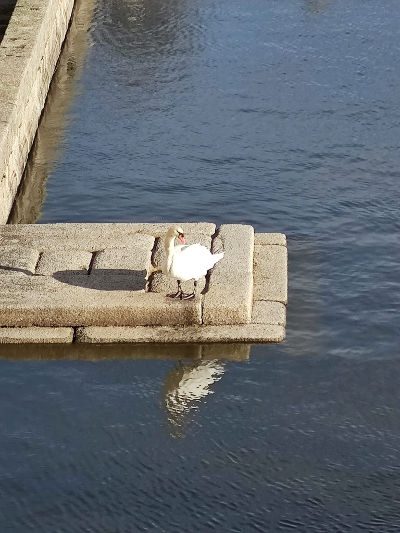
pixel 216 257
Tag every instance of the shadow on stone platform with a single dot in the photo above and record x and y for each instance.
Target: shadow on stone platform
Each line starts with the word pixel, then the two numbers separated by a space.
pixel 104 279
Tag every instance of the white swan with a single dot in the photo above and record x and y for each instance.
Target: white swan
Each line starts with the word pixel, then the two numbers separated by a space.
pixel 185 262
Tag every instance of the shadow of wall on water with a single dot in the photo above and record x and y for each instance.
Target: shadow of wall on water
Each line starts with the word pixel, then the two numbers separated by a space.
pixel 6 11
pixel 50 134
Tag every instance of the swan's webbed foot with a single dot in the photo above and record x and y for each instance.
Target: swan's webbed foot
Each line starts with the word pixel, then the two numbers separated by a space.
pixel 177 294
pixel 189 296
pixel 183 295
pixel 192 295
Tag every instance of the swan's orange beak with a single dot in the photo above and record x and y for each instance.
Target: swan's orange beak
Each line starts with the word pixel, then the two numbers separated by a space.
pixel 181 238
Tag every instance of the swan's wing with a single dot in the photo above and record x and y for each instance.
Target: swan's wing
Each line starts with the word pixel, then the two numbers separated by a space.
pixel 193 261
pixel 216 258
pixel 194 249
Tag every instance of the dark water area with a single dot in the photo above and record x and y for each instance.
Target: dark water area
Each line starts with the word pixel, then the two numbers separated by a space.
pixel 284 115
pixel 6 10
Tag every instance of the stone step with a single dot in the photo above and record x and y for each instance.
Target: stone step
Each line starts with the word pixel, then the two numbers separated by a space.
pixel 186 334
pixel 229 297
pixel 98 276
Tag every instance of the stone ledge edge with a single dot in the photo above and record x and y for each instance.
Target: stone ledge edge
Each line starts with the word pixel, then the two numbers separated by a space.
pixel 248 333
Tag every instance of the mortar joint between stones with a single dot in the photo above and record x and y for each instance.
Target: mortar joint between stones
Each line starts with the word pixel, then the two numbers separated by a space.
pixel 152 270
pixel 208 275
pixel 37 262
pixel 92 260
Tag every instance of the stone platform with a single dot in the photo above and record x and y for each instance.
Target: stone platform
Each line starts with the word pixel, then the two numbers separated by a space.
pixel 99 283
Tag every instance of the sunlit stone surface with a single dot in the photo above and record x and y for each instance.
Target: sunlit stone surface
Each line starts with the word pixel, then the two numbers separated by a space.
pixel 98 279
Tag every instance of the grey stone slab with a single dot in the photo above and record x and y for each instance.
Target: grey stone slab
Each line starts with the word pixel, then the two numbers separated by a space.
pixel 46 301
pixel 270 273
pixel 36 335
pixel 51 262
pixel 97 230
pixel 229 297
pixel 192 334
pixel 237 243
pixel 278 239
pixel 268 313
pixel 88 237
pixel 229 300
pixel 14 259
pixel 56 237
pixel 135 256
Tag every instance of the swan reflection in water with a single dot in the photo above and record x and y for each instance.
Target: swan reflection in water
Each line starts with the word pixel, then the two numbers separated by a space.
pixel 197 368
pixel 189 383
pixel 317 6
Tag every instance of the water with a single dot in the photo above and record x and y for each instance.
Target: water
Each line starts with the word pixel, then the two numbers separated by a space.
pixel 284 115
pixel 6 9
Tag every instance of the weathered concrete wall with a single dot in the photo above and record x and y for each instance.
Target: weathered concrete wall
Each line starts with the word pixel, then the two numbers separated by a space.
pixel 28 56
pixel 44 153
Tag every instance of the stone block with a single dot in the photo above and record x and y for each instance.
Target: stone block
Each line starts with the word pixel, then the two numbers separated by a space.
pixel 52 262
pixel 135 256
pixel 237 243
pixel 14 259
pixel 176 334
pixel 268 313
pixel 229 297
pixel 229 300
pixel 270 238
pixel 92 237
pixel 34 335
pixel 270 273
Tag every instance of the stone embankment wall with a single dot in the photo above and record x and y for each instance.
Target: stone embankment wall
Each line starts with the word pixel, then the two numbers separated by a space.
pixel 28 56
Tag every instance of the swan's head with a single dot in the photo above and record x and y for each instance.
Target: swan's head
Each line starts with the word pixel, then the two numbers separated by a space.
pixel 175 232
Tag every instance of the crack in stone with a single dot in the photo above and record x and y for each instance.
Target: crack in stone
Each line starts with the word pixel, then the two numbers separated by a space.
pixel 214 236
pixel 37 262
pixel 94 255
pixel 153 268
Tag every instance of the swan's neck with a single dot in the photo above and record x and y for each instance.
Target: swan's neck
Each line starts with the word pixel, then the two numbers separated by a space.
pixel 170 249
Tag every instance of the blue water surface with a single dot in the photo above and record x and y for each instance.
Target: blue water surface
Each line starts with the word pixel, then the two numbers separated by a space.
pixel 284 115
